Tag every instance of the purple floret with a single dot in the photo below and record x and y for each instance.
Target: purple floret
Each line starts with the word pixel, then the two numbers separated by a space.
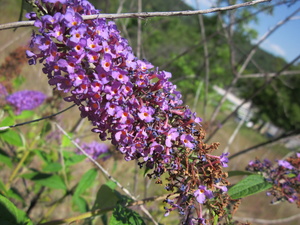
pixel 285 164
pixel 224 160
pixel 202 194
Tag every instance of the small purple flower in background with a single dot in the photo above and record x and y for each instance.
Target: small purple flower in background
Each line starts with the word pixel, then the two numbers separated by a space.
pixel 3 94
pixel 25 100
pixel 96 149
pixel 54 136
pixel 284 176
pixel 3 91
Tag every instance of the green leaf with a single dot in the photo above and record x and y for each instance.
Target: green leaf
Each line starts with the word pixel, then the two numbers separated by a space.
pixel 21 11
pixel 8 121
pixel 291 175
pixel 86 181
pixel 46 157
pixel 106 198
pixel 18 81
pixel 12 138
pixel 47 180
pixel 66 142
pixel 52 167
pixel 115 166
pixel 104 219
pixel 124 216
pixel 25 115
pixel 111 184
pixel 249 186
pixel 72 158
pixel 5 159
pixel 80 203
pixel 28 7
pixel 15 194
pixel 11 215
pixel 46 128
pixel 216 219
pixel 146 171
pixel 238 173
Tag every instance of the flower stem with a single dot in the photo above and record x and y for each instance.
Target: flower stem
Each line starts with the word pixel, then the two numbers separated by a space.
pixel 16 170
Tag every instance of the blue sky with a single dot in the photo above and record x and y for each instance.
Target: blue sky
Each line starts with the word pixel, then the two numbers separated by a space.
pixel 285 41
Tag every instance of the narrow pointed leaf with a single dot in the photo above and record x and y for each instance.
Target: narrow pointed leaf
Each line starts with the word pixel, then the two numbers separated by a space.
pixel 12 138
pixel 8 121
pixel 72 158
pixel 2 188
pixel 111 184
pixel 80 203
pixel 47 180
pixel 4 158
pixel 86 181
pixel 249 186
pixel 52 167
pixel 11 215
pixel 124 216
pixel 106 198
pixel 15 194
pixel 66 142
pixel 25 115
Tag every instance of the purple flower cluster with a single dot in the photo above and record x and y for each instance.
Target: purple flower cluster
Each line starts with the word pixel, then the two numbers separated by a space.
pixel 95 150
pixel 128 101
pixel 116 91
pixel 25 100
pixel 285 177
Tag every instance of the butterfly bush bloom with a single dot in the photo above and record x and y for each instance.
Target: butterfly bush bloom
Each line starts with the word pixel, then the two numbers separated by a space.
pixel 25 100
pixel 127 100
pixel 284 176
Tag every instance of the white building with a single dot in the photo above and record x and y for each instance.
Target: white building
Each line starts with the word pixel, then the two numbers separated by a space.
pixel 245 112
